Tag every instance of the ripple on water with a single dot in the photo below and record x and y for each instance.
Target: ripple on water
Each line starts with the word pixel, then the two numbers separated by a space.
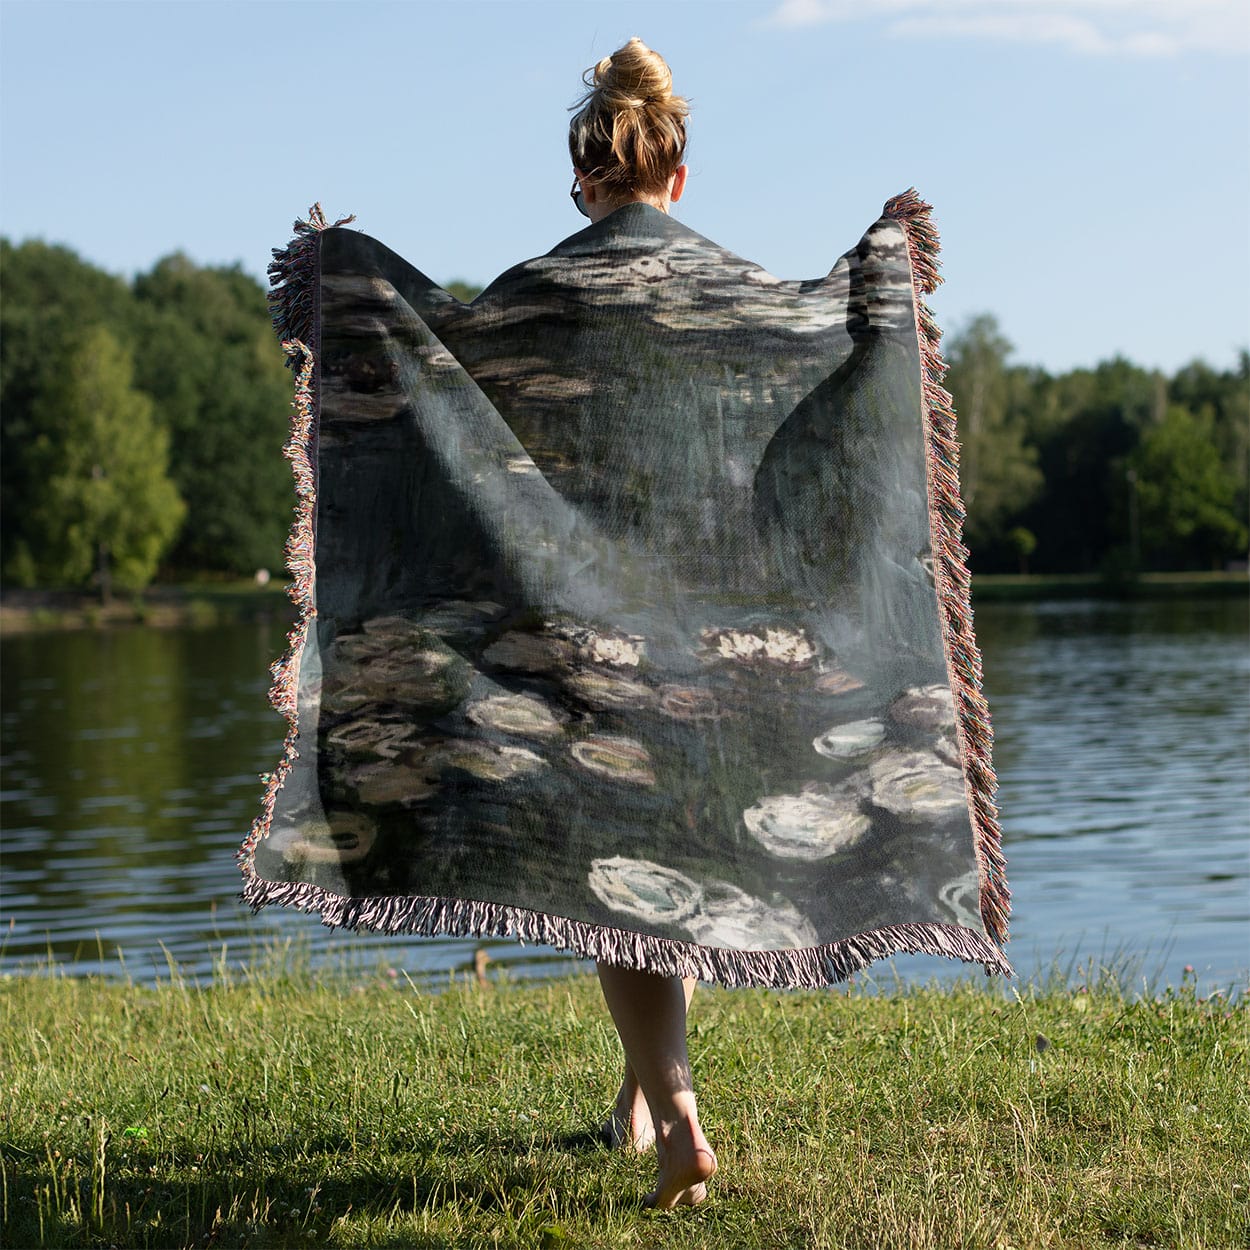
pixel 1120 735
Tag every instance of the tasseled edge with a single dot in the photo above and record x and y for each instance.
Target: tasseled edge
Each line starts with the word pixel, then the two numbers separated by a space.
pixel 811 967
pixel 950 562
pixel 295 274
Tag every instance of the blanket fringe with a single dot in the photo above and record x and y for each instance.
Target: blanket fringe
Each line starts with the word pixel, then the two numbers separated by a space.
pixel 294 274
pixel 810 967
pixel 950 560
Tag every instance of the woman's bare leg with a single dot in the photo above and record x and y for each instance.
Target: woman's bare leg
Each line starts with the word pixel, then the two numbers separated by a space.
pixel 629 1126
pixel 650 1015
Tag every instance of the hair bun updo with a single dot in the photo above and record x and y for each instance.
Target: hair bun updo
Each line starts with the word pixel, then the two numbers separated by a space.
pixel 629 133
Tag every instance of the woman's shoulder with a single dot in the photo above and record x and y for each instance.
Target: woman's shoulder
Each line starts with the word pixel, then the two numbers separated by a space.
pixel 637 245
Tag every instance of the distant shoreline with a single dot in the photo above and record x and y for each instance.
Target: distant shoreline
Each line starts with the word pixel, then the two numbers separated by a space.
pixel 998 587
pixel 195 604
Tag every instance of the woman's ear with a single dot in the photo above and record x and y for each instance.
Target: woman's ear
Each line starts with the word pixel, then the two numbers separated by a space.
pixel 588 186
pixel 678 183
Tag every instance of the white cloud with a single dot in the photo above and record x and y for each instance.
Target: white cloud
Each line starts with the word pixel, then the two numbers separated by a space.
pixel 1138 28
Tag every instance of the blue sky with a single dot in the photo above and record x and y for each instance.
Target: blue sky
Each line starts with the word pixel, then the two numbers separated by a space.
pixel 1088 160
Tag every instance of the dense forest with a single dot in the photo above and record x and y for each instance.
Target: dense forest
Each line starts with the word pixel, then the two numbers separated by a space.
pixel 142 424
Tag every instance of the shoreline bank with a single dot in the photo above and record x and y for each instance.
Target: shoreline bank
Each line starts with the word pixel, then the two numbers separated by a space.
pixel 200 605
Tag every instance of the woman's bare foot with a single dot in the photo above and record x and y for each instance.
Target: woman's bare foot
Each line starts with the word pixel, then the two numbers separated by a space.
pixel 629 1126
pixel 686 1165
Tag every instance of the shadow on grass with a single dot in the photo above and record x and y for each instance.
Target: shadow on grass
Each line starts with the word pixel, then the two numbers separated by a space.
pixel 260 1198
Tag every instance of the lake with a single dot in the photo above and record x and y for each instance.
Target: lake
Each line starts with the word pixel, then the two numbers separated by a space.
pixel 1122 734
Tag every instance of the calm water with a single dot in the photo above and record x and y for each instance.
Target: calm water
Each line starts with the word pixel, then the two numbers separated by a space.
pixel 131 760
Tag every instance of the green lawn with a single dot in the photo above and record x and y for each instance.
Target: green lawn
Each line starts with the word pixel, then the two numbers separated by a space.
pixel 292 1109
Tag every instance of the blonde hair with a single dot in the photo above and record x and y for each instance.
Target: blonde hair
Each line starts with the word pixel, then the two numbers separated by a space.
pixel 629 133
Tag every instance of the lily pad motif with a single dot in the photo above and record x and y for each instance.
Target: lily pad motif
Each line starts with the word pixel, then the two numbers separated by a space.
pixel 947 750
pixel 916 786
pixel 689 702
pixel 486 760
pixel 729 917
pixel 597 690
pixel 642 888
pixel 925 707
pixel 460 616
pixel 522 714
pixel 365 738
pixel 818 822
pixel 963 898
pixel 390 627
pixel 520 462
pixel 610 755
pixel 316 841
pixel 524 652
pixel 845 742
pixel 394 662
pixel 837 681
pixel 392 782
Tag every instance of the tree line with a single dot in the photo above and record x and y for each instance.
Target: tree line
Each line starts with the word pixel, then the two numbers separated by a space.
pixel 142 423
pixel 1112 470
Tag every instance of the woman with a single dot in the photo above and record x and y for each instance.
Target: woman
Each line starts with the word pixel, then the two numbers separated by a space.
pixel 634 620
pixel 627 141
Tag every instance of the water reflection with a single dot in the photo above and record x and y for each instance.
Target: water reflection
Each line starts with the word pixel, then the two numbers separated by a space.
pixel 131 759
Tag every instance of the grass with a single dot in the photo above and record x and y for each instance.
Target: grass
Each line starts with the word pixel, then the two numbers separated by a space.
pixel 282 1107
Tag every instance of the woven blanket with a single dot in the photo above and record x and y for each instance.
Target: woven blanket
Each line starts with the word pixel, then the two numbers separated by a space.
pixel 634 617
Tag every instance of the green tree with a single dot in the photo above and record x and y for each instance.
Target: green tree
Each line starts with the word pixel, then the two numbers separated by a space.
pixel 465 292
pixel 1185 494
pixel 997 467
pixel 105 506
pixel 51 297
pixel 1222 397
pixel 1085 424
pixel 208 357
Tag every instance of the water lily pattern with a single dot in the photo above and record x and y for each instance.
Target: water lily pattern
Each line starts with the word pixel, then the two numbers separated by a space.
pixel 625 600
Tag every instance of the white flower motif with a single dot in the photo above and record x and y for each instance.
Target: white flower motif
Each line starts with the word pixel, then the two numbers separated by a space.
pixel 818 822
pixel 607 650
pixel 788 647
pixel 737 646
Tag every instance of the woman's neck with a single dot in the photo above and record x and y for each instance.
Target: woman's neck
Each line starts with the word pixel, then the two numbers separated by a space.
pixel 601 208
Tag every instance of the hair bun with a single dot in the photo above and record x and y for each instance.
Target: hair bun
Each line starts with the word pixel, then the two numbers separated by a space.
pixel 634 76
pixel 630 129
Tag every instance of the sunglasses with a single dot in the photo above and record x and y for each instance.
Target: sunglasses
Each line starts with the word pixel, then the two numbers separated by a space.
pixel 576 195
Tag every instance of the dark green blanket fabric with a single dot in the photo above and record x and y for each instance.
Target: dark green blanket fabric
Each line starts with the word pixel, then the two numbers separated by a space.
pixel 634 615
